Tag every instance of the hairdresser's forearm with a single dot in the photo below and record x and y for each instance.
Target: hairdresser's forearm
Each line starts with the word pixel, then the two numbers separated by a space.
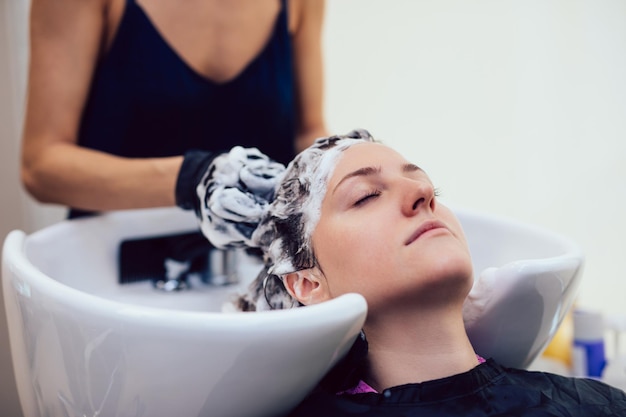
pixel 90 180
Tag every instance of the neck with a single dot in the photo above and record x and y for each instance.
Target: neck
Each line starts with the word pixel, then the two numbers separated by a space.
pixel 416 347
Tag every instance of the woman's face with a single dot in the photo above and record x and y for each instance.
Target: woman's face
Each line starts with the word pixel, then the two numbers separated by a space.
pixel 383 234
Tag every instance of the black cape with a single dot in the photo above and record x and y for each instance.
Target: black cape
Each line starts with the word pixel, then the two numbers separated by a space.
pixel 487 390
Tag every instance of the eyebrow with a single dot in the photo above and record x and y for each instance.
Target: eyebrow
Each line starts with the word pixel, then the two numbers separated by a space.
pixel 369 171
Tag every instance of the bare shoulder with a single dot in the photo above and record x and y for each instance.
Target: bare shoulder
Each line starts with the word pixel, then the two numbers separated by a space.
pixel 71 7
pixel 60 17
pixel 302 12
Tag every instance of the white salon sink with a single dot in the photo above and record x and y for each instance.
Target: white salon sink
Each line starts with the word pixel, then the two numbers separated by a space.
pixel 526 280
pixel 84 345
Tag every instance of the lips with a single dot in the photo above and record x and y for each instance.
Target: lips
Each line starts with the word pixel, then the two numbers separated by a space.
pixel 425 227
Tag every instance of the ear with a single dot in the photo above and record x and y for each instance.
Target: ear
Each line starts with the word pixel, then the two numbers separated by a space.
pixel 307 286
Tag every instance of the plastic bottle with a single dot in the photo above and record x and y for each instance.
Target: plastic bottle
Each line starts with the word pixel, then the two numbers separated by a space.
pixel 615 371
pixel 588 354
pixel 560 347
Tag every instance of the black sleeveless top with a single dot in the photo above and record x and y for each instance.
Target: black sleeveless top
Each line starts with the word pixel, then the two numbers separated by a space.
pixel 145 101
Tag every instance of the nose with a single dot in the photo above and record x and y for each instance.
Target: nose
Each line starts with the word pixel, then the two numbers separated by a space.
pixel 419 195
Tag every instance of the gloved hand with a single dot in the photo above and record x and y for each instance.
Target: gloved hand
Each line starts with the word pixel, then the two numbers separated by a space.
pixel 229 192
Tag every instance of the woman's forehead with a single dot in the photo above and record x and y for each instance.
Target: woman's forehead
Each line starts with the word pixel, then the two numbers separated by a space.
pixel 365 155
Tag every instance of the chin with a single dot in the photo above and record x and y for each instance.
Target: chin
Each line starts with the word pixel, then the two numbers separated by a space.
pixel 446 259
pixel 458 266
pixel 454 270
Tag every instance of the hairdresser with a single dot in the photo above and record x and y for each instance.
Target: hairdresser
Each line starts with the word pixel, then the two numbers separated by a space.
pixel 123 93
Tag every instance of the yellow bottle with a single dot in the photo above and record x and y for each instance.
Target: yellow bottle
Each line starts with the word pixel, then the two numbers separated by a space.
pixel 560 347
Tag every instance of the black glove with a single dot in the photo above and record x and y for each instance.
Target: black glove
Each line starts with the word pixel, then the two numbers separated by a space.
pixel 229 192
pixel 194 167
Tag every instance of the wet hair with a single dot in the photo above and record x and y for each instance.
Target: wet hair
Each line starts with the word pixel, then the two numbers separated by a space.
pixel 284 232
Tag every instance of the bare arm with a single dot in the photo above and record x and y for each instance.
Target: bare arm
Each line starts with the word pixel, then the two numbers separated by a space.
pixel 66 39
pixel 309 72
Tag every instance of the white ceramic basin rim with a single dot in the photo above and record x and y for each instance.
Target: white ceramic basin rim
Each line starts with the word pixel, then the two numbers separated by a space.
pixel 80 354
pixel 84 345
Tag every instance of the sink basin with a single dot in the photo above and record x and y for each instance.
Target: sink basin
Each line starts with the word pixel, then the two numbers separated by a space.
pixel 84 345
pixel 526 280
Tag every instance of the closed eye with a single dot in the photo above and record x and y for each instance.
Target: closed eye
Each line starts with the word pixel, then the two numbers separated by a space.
pixel 369 196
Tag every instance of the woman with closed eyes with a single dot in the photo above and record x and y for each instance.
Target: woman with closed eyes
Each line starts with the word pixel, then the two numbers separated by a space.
pixel 352 215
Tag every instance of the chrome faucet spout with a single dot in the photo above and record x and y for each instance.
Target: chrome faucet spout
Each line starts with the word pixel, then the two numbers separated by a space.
pixel 215 267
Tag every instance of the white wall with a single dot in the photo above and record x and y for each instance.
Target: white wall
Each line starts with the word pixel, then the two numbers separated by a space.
pixel 12 64
pixel 17 210
pixel 513 107
pixel 516 107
